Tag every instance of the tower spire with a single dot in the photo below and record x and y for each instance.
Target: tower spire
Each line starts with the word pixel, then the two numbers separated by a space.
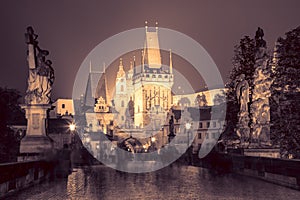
pixel 103 67
pixel 143 61
pixel 171 62
pixel 134 67
pixel 131 64
pixel 90 66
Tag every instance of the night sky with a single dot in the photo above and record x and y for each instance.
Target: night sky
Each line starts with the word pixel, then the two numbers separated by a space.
pixel 71 29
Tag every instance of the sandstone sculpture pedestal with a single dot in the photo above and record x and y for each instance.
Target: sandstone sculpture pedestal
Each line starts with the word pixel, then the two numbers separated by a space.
pixel 36 143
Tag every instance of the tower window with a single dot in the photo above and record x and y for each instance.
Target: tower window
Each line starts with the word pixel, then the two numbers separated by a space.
pixel 122 103
pixel 207 124
pixel 200 125
pixel 122 88
pixel 199 136
pixel 63 105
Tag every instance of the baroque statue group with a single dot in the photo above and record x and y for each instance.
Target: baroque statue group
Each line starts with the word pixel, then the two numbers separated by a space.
pixel 41 73
pixel 253 126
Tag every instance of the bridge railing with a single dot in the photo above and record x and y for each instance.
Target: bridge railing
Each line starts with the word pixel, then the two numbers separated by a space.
pixel 19 175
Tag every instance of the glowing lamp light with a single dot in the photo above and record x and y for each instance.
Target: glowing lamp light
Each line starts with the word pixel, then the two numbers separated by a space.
pixel 188 126
pixel 72 127
pixel 153 139
pixel 87 139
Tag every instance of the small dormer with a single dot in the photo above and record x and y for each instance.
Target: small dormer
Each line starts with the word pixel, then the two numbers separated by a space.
pixel 101 106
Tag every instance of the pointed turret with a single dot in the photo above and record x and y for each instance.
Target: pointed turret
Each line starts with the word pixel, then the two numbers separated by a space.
pixel 134 66
pixel 171 62
pixel 121 72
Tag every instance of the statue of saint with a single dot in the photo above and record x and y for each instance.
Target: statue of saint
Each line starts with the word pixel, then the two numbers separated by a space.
pixel 171 125
pixel 242 92
pixel 41 73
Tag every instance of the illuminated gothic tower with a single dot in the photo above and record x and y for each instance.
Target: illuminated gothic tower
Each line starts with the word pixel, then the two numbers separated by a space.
pixel 123 93
pixel 152 85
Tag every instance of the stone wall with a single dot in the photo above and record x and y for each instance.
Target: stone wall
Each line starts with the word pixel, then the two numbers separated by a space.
pixel 19 175
pixel 284 172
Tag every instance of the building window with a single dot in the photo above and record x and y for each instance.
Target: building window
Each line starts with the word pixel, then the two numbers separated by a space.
pixel 153 76
pixel 207 136
pixel 63 105
pixel 122 103
pixel 199 136
pixel 214 124
pixel 122 117
pixel 207 124
pixel 200 125
pixel 122 88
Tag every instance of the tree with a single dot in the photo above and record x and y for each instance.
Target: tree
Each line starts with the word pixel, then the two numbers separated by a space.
pixel 285 101
pixel 10 113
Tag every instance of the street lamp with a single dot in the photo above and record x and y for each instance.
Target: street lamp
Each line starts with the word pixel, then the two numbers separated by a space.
pixel 72 127
pixel 153 139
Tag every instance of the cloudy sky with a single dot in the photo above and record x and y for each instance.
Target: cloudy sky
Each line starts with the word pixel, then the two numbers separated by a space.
pixel 71 29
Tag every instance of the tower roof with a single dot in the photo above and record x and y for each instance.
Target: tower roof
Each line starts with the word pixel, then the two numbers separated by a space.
pixel 151 49
pixel 96 87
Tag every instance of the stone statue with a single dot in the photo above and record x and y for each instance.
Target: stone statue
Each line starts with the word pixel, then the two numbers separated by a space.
pixel 260 108
pixel 242 93
pixel 260 42
pixel 41 73
pixel 171 125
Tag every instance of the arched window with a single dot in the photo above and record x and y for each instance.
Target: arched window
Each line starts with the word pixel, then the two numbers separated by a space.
pixel 122 88
pixel 122 103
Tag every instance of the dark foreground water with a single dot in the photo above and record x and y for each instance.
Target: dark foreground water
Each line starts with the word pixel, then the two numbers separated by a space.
pixel 177 182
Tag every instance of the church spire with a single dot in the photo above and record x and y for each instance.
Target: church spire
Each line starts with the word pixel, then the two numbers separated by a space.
pixel 171 62
pixel 121 72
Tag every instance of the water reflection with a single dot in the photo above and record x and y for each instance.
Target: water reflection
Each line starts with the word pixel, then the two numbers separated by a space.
pixel 173 182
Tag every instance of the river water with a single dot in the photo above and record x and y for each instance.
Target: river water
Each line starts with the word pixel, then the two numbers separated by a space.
pixel 172 182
